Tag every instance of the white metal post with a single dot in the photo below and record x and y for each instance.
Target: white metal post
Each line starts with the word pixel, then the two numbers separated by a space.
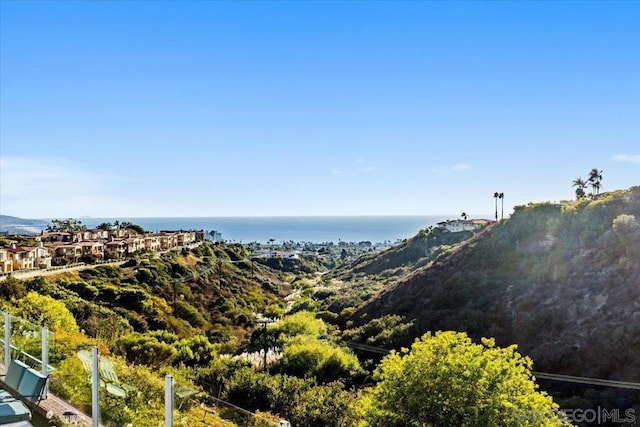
pixel 7 340
pixel 95 388
pixel 45 359
pixel 168 401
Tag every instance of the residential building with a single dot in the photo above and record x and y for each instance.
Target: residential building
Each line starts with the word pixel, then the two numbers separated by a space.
pixel 115 249
pixel 168 240
pixel 152 243
pixel 64 253
pixel 93 249
pixel 21 258
pixel 134 245
pixel 6 265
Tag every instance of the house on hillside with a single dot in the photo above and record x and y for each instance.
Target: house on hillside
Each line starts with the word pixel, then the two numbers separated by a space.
pixel 26 257
pixel 185 238
pixel 93 249
pixel 6 266
pixel 134 245
pixel 457 225
pixel 115 249
pixel 64 253
pixel 42 256
pixel 98 234
pixel 168 240
pixel 152 243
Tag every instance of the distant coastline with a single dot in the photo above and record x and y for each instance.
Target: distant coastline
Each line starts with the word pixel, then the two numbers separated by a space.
pixel 295 228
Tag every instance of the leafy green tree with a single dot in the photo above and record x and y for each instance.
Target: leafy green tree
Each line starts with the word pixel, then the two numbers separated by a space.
pixel 46 311
pixel 105 226
pixel 131 226
pixel 12 289
pixel 141 349
pixel 306 356
pixel 66 225
pixel 301 323
pixel 447 380
pixel 299 400
pixel 84 290
pixel 323 405
pixel 195 351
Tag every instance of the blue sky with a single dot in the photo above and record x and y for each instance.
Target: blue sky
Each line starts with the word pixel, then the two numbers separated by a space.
pixel 123 108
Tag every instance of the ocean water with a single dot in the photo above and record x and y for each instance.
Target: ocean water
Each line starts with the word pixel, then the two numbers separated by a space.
pixel 319 229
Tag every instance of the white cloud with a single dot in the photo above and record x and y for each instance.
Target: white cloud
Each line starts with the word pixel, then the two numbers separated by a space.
pixel 460 167
pixel 359 160
pixel 369 169
pixel 54 187
pixel 336 172
pixel 627 158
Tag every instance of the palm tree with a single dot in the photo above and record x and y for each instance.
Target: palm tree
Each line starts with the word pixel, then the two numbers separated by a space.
pixel 464 215
pixel 501 197
pixel 595 179
pixel 495 196
pixel 580 185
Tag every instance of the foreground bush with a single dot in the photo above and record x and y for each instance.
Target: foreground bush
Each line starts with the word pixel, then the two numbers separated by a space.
pixel 448 380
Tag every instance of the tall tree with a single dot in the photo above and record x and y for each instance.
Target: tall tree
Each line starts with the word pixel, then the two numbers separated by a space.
pixel 495 196
pixel 447 380
pixel 66 225
pixel 104 226
pixel 595 179
pixel 501 197
pixel 580 185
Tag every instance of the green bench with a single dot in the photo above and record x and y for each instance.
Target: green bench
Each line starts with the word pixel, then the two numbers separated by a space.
pixel 21 383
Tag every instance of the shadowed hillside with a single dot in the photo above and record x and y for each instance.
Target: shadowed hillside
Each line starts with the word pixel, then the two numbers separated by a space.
pixel 357 282
pixel 561 281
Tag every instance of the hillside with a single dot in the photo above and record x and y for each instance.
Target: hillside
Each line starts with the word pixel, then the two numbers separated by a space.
pixel 353 283
pixel 561 281
pixel 176 310
pixel 15 225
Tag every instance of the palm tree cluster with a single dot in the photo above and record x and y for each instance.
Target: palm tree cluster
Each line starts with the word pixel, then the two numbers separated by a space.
pixel 594 180
pixel 500 196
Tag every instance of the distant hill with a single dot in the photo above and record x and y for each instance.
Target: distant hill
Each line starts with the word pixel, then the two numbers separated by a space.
pixel 15 225
pixel 561 281
pixel 368 274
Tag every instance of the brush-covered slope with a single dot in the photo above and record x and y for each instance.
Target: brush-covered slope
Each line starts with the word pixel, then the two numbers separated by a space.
pixel 355 282
pixel 562 281
pixel 212 289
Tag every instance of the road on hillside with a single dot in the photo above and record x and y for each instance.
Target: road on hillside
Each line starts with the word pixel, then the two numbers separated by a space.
pixel 48 272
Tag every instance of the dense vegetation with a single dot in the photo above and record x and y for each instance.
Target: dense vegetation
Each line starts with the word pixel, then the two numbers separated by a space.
pixel 371 273
pixel 560 280
pixel 448 380
pixel 554 278
pixel 170 313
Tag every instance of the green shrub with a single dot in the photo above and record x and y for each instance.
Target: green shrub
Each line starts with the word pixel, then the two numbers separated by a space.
pixel 195 351
pixel 301 323
pixel 145 350
pixel 46 311
pixel 12 289
pixel 185 311
pixel 83 289
pixel 307 356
